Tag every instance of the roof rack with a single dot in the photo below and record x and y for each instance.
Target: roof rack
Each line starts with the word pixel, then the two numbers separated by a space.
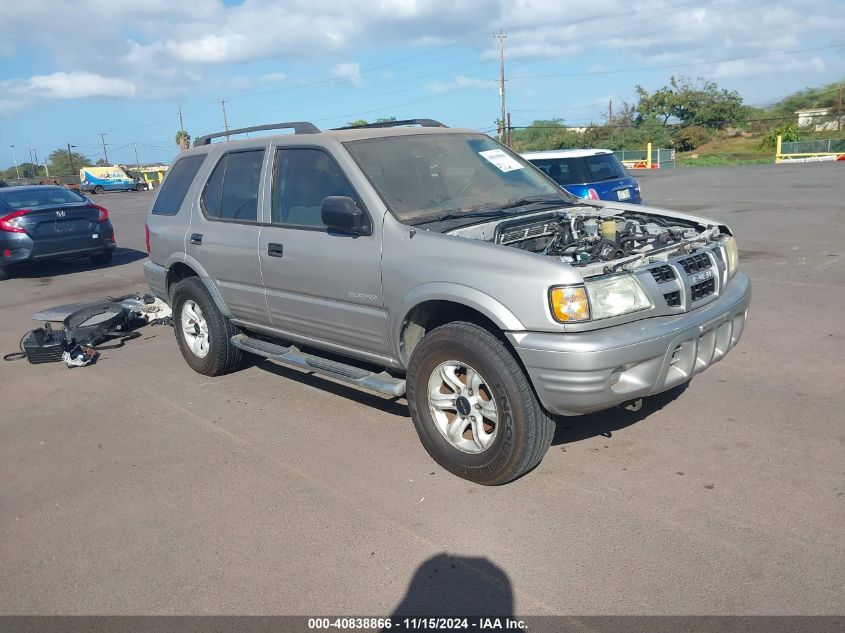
pixel 298 127
pixel 420 122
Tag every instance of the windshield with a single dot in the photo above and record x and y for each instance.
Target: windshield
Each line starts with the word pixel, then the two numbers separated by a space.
pixel 43 196
pixel 432 175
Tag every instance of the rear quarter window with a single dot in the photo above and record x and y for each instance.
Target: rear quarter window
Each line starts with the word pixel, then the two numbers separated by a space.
pixel 176 185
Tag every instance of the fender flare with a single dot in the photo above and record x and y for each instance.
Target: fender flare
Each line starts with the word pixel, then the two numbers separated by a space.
pixel 193 264
pixel 467 296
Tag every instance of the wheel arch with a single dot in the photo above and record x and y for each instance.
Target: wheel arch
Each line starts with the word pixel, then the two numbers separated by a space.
pixel 182 266
pixel 429 308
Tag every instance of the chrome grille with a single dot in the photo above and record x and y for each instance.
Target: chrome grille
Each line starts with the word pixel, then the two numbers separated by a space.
pixel 695 263
pixel 673 299
pixel 662 273
pixel 703 289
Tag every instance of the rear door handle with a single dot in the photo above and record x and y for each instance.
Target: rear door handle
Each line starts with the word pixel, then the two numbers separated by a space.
pixel 196 238
pixel 274 250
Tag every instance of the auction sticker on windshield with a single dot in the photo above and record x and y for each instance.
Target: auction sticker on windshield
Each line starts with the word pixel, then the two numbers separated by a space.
pixel 500 160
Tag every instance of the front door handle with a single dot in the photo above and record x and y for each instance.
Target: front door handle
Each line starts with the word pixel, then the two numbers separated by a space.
pixel 274 250
pixel 196 238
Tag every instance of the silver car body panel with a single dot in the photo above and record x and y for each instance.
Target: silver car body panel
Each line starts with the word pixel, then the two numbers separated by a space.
pixel 352 295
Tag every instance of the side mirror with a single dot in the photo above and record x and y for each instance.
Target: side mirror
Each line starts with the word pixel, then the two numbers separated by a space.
pixel 341 213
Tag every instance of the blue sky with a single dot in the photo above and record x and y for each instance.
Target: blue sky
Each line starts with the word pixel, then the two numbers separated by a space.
pixel 72 69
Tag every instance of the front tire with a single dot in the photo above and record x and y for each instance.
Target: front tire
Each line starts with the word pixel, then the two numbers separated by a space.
pixel 203 333
pixel 473 407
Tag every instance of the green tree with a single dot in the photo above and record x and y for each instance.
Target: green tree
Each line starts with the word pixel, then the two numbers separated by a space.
pixel 27 170
pixel 60 163
pixel 692 102
pixel 357 122
pixel 101 162
pixel 183 139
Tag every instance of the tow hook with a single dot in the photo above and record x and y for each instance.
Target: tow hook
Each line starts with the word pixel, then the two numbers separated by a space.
pixel 632 405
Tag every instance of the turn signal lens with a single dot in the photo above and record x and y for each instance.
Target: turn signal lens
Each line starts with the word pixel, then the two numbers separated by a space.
pixel 569 304
pixel 732 253
pixel 592 194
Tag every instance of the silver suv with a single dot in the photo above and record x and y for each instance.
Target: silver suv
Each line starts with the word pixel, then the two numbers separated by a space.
pixel 436 264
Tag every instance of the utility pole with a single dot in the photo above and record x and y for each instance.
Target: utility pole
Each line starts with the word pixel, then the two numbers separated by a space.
pixel 15 159
pixel 137 162
pixel 102 136
pixel 839 111
pixel 610 112
pixel 225 121
pixel 509 129
pixel 501 37
pixel 37 164
pixel 70 156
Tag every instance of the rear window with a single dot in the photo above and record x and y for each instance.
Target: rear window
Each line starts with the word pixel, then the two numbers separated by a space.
pixel 604 167
pixel 40 197
pixel 176 185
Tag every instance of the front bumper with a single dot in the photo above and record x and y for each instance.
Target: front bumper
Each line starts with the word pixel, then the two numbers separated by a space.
pixel 584 372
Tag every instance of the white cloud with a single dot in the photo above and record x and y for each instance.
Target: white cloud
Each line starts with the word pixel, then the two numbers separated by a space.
pixel 348 73
pixel 461 82
pixel 273 77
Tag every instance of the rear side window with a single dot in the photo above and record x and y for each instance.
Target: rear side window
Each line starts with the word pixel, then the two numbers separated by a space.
pixel 176 185
pixel 231 192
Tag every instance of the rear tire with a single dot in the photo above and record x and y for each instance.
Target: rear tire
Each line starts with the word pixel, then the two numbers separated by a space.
pixel 203 333
pixel 498 431
pixel 4 273
pixel 101 259
pixel 98 189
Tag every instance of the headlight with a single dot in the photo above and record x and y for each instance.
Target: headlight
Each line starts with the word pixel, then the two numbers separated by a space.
pixel 732 253
pixel 598 299
pixel 616 296
pixel 569 304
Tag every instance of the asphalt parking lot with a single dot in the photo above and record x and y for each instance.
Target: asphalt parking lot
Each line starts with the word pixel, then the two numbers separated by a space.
pixel 137 486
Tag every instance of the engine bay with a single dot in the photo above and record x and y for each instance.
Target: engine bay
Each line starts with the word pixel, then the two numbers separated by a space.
pixel 597 240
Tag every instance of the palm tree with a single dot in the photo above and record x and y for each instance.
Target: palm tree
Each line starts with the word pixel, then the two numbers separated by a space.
pixel 183 139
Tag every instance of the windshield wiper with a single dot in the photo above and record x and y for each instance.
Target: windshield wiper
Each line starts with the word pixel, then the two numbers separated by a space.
pixel 451 215
pixel 530 201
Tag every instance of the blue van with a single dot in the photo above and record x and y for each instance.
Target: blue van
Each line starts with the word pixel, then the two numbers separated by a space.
pixel 588 173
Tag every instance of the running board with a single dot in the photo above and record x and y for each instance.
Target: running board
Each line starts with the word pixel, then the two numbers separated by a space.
pixel 350 374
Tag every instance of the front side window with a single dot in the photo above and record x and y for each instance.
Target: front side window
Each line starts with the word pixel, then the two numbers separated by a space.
pixel 425 176
pixel 176 185
pixel 302 179
pixel 231 192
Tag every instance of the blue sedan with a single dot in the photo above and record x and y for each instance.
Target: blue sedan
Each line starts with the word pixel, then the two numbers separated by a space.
pixel 588 173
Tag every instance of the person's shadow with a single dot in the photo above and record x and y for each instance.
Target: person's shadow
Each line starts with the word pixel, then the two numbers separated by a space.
pixel 457 586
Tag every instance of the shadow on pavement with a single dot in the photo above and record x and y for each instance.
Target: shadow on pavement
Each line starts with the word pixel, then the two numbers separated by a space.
pixel 578 428
pixel 447 585
pixel 58 267
pixel 393 406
